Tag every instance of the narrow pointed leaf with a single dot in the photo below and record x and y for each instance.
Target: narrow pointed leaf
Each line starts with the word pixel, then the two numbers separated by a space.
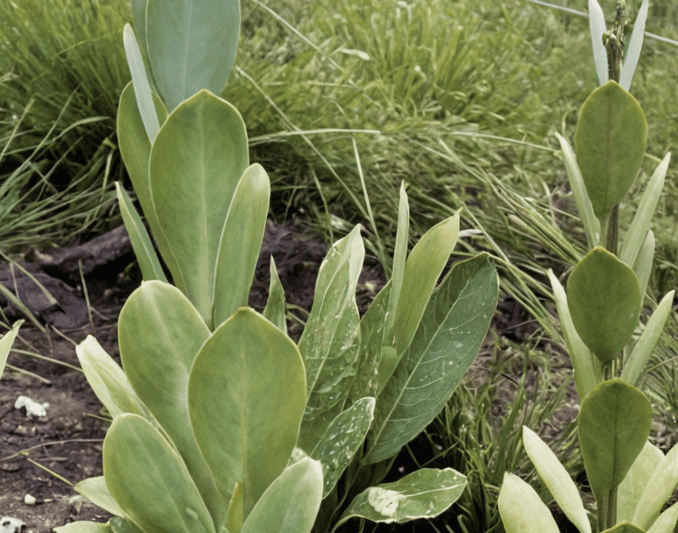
pixel 666 522
pixel 197 160
pixel 643 263
pixel 422 270
pixel 341 441
pixel 240 244
pixel 142 88
pixel 603 296
pixel 634 47
pixel 614 423
pixel 275 304
pixel 658 490
pixel 521 508
pixel 6 344
pixel 448 339
pixel 648 340
pixel 234 517
pixel 557 480
pixel 291 503
pixel 587 368
pixel 141 241
pixel 331 340
pixel 191 45
pixel 636 480
pixel 424 493
pixel 96 491
pixel 160 333
pixel 581 199
pixel 246 397
pixel 624 527
pixel 399 259
pixel 610 142
pixel 640 225
pixel 597 28
pixel 149 480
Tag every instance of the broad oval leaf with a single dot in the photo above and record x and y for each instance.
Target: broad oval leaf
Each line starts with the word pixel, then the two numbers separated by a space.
pixel 521 508
pixel 451 332
pixel 240 244
pixel 160 333
pixel 614 423
pixel 290 504
pixel 557 480
pixel 191 45
pixel 149 481
pixel 197 160
pixel 603 296
pixel 246 398
pixel 658 490
pixel 610 142
pixel 424 493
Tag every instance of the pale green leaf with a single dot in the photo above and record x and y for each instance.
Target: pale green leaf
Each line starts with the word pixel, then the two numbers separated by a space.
pixel 96 491
pixel 399 259
pixel 614 423
pixel 581 199
pixel 666 522
pixel 521 508
pixel 597 29
pixel 6 344
pixel 160 333
pixel 142 88
pixel 83 526
pixel 240 244
pixel 658 490
pixel 149 481
pixel 141 241
pixel 610 143
pixel 341 441
pixel 587 368
pixel 424 493
pixel 648 340
pixel 120 524
pixel 643 264
pixel 624 527
pixel 603 296
pixel 234 517
pixel 557 480
pixel 634 483
pixel 633 48
pixel 640 225
pixel 197 160
pixel 291 503
pixel 448 339
pixel 191 45
pixel 139 14
pixel 275 304
pixel 246 397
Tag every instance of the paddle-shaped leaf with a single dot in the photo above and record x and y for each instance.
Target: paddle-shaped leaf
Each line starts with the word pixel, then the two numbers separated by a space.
pixel 149 481
pixel 246 397
pixel 658 490
pixel 341 441
pixel 424 493
pixel 197 161
pixel 521 508
pixel 331 340
pixel 557 480
pixel 614 423
pixel 160 333
pixel 452 329
pixel 610 142
pixel 291 503
pixel 604 299
pixel 635 481
pixel 191 45
pixel 240 243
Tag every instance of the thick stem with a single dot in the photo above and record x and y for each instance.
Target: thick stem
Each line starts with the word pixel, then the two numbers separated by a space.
pixel 602 513
pixel 612 508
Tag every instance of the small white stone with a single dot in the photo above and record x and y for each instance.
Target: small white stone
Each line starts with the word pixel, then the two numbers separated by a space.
pixel 29 499
pixel 32 407
pixel 10 525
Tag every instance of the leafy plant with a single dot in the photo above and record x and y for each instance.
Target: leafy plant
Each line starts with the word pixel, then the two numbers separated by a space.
pixel 599 315
pixel 240 428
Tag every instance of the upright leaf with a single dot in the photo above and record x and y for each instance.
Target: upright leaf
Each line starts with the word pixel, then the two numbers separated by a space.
pixel 275 305
pixel 642 266
pixel 666 521
pixel 634 47
pixel 636 480
pixel 160 333
pixel 246 397
pixel 521 508
pixel 197 160
pixel 139 14
pixel 658 490
pixel 399 259
pixel 597 29
pixel 610 141
pixel 614 423
pixel 149 481
pixel 291 502
pixel 424 493
pixel 6 344
pixel 603 297
pixel 452 330
pixel 240 244
pixel 191 45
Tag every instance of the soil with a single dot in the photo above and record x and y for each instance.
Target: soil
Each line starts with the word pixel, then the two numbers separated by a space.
pixel 41 458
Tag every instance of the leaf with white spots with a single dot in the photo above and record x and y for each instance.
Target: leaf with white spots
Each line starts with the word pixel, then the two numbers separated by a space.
pixel 341 441
pixel 451 331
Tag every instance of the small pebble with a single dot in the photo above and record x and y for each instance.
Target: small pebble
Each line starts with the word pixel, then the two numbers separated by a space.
pixel 29 499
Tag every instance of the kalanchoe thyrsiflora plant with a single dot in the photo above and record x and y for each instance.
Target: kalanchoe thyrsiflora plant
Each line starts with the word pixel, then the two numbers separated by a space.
pixel 221 423
pixel 599 312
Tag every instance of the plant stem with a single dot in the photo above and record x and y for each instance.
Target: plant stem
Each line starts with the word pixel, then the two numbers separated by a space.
pixel 612 508
pixel 602 513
